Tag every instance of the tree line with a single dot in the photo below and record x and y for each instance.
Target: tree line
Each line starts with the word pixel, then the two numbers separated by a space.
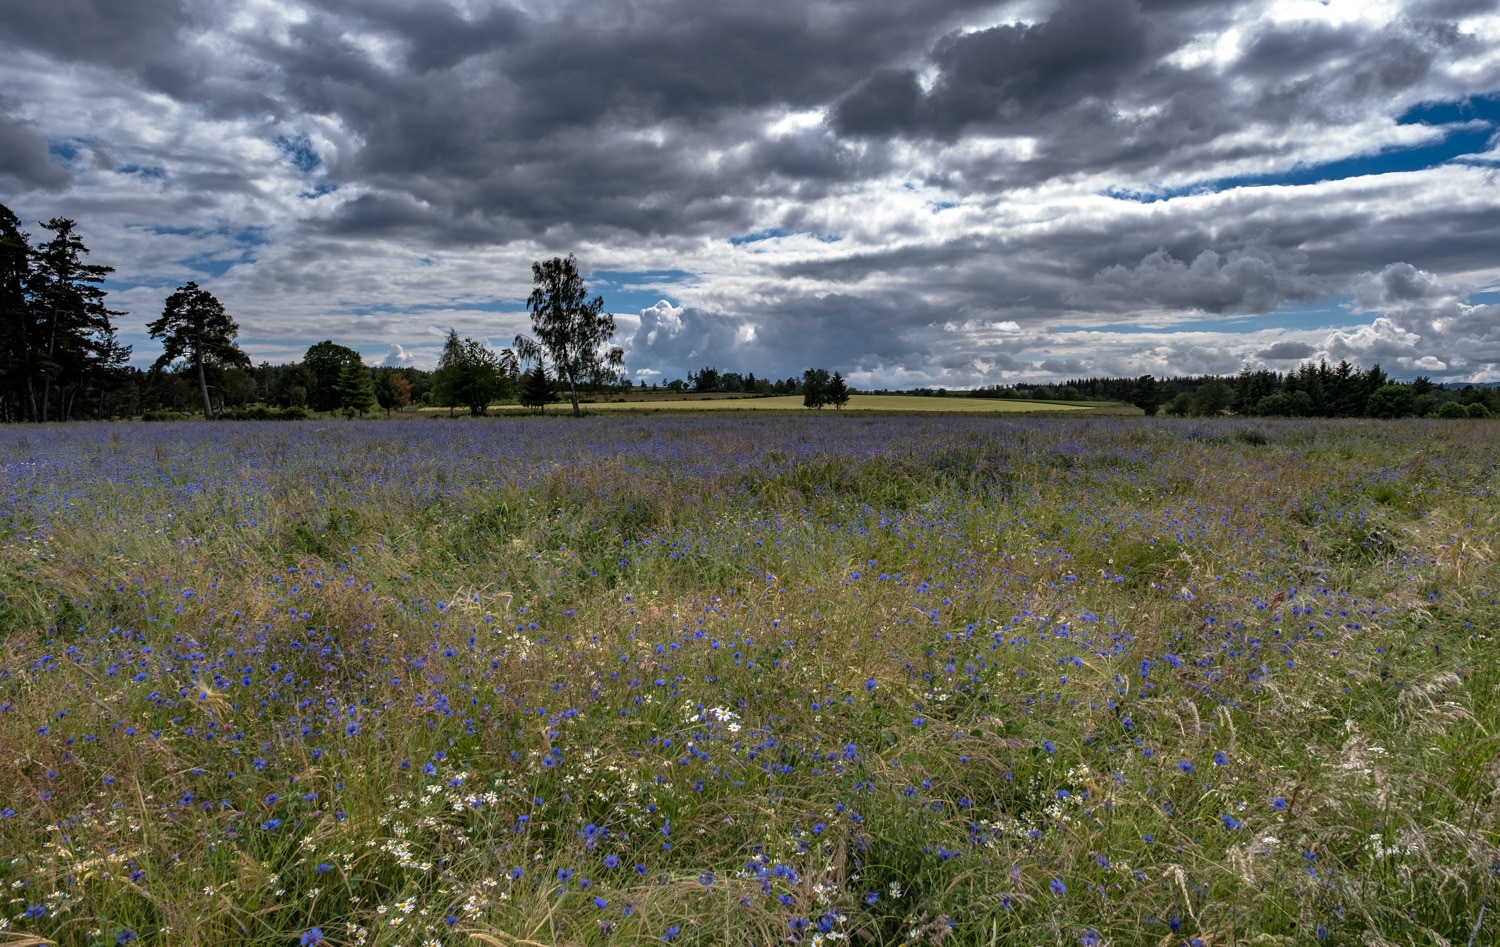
pixel 1310 390
pixel 60 356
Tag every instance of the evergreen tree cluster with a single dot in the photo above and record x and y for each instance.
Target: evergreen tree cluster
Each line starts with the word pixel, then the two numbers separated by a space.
pixel 59 355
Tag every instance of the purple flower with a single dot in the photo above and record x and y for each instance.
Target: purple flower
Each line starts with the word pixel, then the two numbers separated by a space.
pixel 600 903
pixel 1230 822
pixel 35 911
pixel 1278 803
pixel 311 937
pixel 1057 886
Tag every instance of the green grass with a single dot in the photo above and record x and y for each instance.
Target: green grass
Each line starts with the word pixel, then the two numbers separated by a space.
pixel 893 404
pixel 1031 681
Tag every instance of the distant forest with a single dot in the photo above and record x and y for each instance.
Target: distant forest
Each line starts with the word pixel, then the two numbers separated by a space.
pixel 60 360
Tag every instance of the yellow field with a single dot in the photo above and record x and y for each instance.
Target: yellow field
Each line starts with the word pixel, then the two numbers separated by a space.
pixel 903 403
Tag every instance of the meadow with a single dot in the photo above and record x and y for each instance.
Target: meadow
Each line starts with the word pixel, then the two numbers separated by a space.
pixel 708 679
pixel 885 404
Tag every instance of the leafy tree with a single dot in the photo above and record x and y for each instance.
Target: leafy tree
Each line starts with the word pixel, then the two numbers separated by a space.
pixel 815 387
pixel 1392 401
pixel 538 391
pixel 1146 395
pixel 71 339
pixel 325 361
pixel 470 374
pixel 392 390
pixel 194 327
pixel 1180 406
pixel 837 392
pixel 355 388
pixel 1211 398
pixel 571 329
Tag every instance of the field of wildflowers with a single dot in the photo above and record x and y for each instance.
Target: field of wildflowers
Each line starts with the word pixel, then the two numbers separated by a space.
pixel 739 680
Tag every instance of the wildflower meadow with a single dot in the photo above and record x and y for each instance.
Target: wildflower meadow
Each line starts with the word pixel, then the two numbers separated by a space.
pixel 706 679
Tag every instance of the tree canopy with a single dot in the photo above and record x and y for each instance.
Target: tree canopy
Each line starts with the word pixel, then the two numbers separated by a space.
pixel 470 374
pixel 572 330
pixel 194 327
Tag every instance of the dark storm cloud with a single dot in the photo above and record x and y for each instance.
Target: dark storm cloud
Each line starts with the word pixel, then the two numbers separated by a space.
pixel 1287 351
pixel 1253 278
pixel 1006 75
pixel 139 35
pixel 23 155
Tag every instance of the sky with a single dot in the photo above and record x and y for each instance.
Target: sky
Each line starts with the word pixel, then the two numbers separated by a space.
pixel 915 192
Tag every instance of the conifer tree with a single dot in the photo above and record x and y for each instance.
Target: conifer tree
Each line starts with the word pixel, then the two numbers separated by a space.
pixel 195 327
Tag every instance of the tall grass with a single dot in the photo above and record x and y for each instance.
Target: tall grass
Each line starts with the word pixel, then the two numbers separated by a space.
pixel 749 680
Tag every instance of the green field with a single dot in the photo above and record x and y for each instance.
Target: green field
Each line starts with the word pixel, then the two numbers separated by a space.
pixel 747 679
pixel 892 403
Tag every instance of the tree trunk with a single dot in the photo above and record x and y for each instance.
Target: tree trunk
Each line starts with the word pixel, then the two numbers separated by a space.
pixel 573 388
pixel 208 411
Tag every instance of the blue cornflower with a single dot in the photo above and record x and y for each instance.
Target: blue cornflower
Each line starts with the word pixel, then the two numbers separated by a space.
pixel 311 937
pixel 869 685
pixel 563 874
pixel 271 825
pixel 706 879
pixel 600 903
pixel 1220 759
pixel 1047 745
pixel 35 911
pixel 611 861
pixel 871 897
pixel 1057 886
pixel 1185 766
pixel 1090 938
pixel 1230 822
pixel 1278 803
pixel 671 933
pixel 514 874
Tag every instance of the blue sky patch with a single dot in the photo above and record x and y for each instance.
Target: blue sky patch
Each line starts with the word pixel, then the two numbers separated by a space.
pixel 145 173
pixel 1328 314
pixel 627 291
pixel 1468 127
pixel 318 191
pixel 776 233
pixel 299 150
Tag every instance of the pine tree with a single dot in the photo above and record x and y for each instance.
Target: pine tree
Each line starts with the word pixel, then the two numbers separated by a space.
pixel 538 392
pixel 73 340
pixel 195 327
pixel 16 324
pixel 355 388
pixel 837 392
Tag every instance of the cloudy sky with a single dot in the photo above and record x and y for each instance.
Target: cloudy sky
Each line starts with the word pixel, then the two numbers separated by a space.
pixel 917 192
